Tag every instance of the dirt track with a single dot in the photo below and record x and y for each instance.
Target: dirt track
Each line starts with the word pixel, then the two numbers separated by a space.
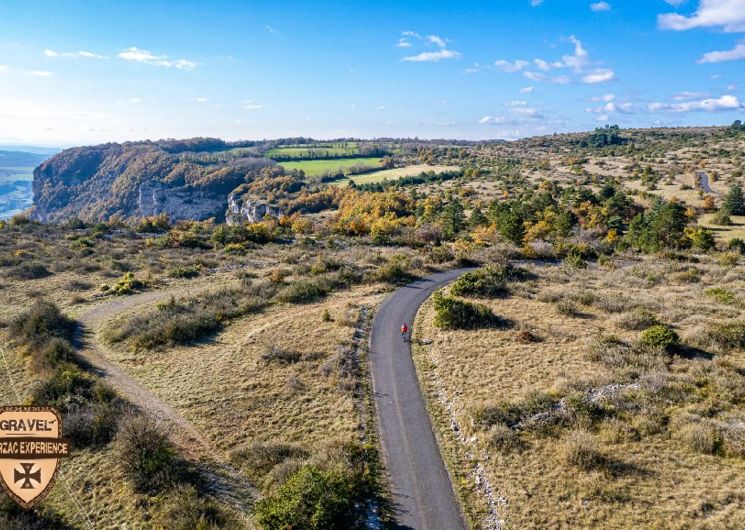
pixel 225 483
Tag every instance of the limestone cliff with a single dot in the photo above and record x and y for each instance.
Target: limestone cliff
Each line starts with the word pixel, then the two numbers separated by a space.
pixel 188 179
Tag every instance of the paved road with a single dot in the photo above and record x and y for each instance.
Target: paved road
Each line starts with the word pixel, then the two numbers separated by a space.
pixel 703 182
pixel 422 493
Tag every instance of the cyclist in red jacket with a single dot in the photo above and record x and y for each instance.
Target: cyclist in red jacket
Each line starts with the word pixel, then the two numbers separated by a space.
pixel 404 330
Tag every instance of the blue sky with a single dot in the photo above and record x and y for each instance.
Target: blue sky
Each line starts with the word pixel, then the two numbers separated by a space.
pixel 89 72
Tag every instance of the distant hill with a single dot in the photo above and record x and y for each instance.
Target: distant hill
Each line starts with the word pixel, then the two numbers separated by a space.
pixel 185 179
pixel 21 159
pixel 36 149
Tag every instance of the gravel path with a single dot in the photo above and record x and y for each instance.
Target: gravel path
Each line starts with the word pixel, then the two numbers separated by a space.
pixel 224 482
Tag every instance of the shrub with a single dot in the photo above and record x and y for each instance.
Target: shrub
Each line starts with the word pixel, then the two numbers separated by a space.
pixel 659 336
pixel 581 450
pixel 396 270
pixel 184 321
pixel 314 499
pixel 700 437
pixel 184 509
pixel 503 439
pixel 512 413
pixel 304 291
pixel 92 424
pixel 452 313
pixel 41 323
pixel 257 460
pixel 720 294
pixel 724 336
pixel 275 353
pixel 54 353
pixel 637 319
pixel 126 284
pixel 146 457
pixel 68 386
pixel 489 282
pixel 155 224
pixel 29 271
pixel 568 308
pixel 184 271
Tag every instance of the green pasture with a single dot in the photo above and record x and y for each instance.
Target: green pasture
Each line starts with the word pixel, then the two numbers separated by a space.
pixel 315 168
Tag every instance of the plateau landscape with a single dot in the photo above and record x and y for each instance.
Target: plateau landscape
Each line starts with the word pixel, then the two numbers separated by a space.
pixel 409 266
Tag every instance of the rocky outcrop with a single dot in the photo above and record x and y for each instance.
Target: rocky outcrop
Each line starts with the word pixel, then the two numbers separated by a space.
pixel 155 198
pixel 242 208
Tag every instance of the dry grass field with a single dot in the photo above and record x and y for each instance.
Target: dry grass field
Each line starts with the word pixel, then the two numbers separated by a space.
pixel 651 467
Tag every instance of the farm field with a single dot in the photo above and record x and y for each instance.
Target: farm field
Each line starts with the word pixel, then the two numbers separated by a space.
pixel 393 174
pixel 347 149
pixel 315 168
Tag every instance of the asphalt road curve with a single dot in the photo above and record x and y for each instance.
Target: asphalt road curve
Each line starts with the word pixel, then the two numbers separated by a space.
pixel 422 494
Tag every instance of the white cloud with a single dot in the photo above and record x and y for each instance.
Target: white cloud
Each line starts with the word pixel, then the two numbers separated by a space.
pixel 722 103
pixel 3 67
pixel 726 14
pixel 526 90
pixel 201 100
pixel 735 54
pixel 687 95
pixel 675 3
pixel 602 118
pixel 144 56
pixel 601 75
pixel 82 54
pixel 510 66
pixel 428 56
pixel 434 39
pixel 536 3
pixel 250 104
pixel 432 56
pixel 605 97
pixel 272 29
pixel 40 73
pixel 538 76
pixel 578 62
pixel 600 6
pixel 493 120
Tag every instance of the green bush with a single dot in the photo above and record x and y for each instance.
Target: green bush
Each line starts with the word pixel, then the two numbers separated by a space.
pixel 55 352
pixel 489 282
pixel 396 270
pixel 452 313
pixel 720 294
pixel 42 323
pixel 127 283
pixel 184 271
pixel 659 336
pixel 314 499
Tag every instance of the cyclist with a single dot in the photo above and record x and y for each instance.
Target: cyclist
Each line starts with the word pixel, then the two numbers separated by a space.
pixel 404 330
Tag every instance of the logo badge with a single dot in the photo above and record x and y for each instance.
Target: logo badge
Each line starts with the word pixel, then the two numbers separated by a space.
pixel 31 446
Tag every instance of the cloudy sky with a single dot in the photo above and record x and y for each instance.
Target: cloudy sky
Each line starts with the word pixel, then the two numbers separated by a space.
pixel 95 71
